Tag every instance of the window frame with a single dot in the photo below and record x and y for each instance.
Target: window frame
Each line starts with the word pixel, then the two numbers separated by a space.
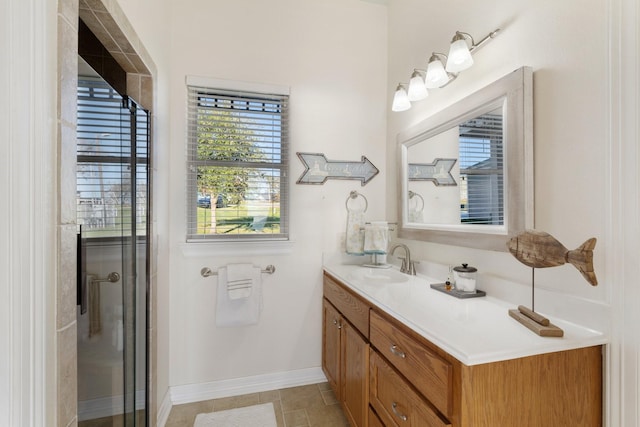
pixel 212 87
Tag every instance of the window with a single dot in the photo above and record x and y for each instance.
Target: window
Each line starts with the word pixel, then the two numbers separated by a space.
pixel 237 165
pixel 111 177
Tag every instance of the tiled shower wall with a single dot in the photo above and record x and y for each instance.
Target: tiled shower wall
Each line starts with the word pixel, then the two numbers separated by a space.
pixel 109 24
pixel 66 327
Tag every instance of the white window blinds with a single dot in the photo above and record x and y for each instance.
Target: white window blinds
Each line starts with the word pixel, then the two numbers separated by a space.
pixel 482 170
pixel 237 165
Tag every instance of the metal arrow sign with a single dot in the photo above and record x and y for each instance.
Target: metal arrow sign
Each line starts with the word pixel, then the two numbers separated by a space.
pixel 318 169
pixel 439 171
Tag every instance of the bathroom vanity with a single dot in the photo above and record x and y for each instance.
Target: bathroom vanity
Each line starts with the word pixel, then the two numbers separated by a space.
pixel 398 353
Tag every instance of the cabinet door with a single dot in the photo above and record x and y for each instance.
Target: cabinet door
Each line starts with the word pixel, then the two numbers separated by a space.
pixel 332 323
pixel 355 374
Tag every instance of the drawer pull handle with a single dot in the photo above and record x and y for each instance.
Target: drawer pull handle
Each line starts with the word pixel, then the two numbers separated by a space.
pixel 394 407
pixel 394 349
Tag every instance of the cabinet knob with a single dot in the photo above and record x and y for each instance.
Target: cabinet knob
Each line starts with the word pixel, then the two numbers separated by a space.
pixel 338 324
pixel 394 349
pixel 394 408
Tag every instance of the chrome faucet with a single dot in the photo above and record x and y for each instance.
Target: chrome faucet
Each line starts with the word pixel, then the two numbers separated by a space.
pixel 407 266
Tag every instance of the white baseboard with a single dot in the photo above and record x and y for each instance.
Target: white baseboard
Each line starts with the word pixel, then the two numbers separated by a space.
pixel 164 409
pixel 239 386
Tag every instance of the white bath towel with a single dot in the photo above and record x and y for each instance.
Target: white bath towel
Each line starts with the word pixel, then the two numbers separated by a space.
pixel 238 311
pixel 376 237
pixel 354 241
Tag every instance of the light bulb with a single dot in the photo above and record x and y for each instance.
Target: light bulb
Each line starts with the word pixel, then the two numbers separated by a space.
pixel 417 89
pixel 459 56
pixel 400 100
pixel 436 75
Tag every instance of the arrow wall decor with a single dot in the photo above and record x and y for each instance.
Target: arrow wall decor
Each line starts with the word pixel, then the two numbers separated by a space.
pixel 439 171
pixel 318 169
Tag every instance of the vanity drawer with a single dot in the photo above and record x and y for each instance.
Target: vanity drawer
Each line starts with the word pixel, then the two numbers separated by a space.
pixel 429 373
pixel 395 401
pixel 355 309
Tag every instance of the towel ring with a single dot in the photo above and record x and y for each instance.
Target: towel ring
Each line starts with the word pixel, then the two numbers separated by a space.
pixel 414 194
pixel 354 195
pixel 206 271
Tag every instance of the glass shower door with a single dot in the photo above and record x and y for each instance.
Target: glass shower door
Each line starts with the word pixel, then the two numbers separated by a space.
pixel 134 252
pixel 112 199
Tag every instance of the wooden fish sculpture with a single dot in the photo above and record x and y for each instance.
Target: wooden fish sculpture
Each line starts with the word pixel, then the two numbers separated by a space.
pixel 538 249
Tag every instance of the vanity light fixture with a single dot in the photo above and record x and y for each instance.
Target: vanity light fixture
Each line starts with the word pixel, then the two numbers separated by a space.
pixel 438 74
pixel 401 99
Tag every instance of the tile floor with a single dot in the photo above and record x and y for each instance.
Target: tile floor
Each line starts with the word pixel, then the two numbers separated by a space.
pixel 312 405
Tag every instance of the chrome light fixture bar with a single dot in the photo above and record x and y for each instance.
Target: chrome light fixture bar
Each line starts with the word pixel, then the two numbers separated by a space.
pixel 437 74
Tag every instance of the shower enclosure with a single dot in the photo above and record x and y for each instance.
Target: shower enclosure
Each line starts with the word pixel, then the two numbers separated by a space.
pixel 112 185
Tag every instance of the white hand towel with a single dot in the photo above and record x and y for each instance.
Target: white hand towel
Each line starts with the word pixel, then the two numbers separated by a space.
pixel 239 280
pixel 238 311
pixel 355 233
pixel 376 237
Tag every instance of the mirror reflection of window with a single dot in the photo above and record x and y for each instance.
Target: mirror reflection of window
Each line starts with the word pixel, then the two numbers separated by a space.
pixel 482 169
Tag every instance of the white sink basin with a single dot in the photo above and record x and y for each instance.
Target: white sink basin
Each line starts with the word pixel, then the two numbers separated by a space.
pixel 378 275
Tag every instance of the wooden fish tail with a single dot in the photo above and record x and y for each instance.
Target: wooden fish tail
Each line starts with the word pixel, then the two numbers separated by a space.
pixel 582 259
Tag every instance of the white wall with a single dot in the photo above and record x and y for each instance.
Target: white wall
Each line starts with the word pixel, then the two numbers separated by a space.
pixel 332 54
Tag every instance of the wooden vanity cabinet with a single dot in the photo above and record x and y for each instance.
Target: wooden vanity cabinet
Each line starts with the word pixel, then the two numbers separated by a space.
pixel 412 382
pixel 345 350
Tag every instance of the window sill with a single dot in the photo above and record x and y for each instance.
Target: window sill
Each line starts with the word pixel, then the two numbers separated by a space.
pixel 201 249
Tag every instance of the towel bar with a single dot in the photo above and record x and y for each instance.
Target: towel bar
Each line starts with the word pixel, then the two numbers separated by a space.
pixel 112 277
pixel 206 271
pixel 389 223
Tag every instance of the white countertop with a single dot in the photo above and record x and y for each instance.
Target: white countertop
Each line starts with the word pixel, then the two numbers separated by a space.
pixel 474 330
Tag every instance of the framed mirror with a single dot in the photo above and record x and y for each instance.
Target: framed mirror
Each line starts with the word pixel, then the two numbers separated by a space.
pixel 466 173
